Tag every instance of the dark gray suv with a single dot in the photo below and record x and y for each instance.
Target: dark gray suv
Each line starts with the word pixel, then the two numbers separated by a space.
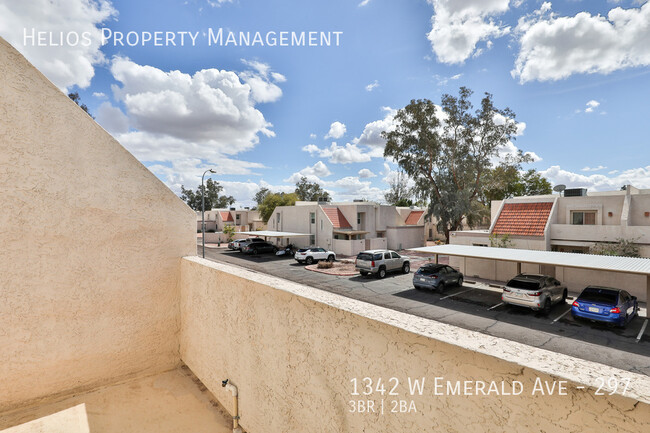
pixel 436 277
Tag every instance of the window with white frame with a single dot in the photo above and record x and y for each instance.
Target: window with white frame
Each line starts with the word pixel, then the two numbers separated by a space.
pixel 586 218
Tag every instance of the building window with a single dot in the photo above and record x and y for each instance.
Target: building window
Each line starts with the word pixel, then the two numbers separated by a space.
pixel 237 216
pixel 278 218
pixel 321 224
pixel 312 217
pixel 312 240
pixel 583 218
pixel 358 218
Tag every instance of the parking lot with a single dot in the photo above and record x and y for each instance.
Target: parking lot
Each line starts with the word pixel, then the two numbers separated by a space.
pixel 475 306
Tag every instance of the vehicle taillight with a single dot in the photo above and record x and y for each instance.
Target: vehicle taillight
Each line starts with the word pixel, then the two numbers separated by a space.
pixel 372 264
pixel 505 289
pixel 615 310
pixel 535 294
pixel 575 304
pixel 434 276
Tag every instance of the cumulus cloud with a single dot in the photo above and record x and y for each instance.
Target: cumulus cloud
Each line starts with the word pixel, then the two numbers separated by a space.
pixel 372 86
pixel 340 154
pixel 442 81
pixel 313 173
pixel 364 173
pixel 112 119
pixel 591 106
pixel 600 167
pixel 99 95
pixel 65 65
pixel 458 27
pixel 180 123
pixel 638 177
pixel 371 135
pixel 337 130
pixel 553 48
pixel 262 81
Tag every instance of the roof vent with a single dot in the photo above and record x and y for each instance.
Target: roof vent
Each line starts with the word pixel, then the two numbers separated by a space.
pixel 358 200
pixel 233 208
pixel 575 192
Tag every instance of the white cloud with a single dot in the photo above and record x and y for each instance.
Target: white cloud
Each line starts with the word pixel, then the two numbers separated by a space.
pixel 344 154
pixel 364 173
pixel 112 119
pixel 99 95
pixel 337 130
pixel 372 86
pixel 600 167
pixel 364 2
pixel 553 48
pixel 312 136
pixel 371 135
pixel 260 81
pixel 638 177
pixel 351 187
pixel 313 173
pixel 65 65
pixel 591 105
pixel 442 81
pixel 458 26
pixel 218 3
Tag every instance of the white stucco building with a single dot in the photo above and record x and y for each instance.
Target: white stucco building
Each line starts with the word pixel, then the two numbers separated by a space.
pixel 242 219
pixel 347 228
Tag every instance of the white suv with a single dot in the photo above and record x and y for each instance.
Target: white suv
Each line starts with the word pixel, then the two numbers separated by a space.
pixel 380 262
pixel 311 255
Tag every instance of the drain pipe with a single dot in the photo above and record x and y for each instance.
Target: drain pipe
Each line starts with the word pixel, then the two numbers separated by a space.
pixel 235 418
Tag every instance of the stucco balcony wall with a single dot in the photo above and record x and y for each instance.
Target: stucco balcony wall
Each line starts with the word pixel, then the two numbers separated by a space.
pixel 600 233
pixel 293 350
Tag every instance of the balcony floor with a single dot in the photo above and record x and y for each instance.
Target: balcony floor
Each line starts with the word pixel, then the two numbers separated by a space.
pixel 170 402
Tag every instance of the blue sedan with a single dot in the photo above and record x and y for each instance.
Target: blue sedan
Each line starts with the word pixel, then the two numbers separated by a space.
pixel 605 304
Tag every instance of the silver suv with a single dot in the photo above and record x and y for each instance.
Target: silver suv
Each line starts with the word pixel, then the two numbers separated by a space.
pixel 379 262
pixel 538 292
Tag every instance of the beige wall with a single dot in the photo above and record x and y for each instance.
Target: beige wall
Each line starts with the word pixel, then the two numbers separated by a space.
pixel 405 237
pixel 346 247
pixel 90 293
pixel 293 350
pixel 639 205
pixel 602 204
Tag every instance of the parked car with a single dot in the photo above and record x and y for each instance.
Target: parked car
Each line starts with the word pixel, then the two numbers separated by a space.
pixel 259 247
pixel 605 304
pixel 436 277
pixel 379 262
pixel 311 255
pixel 538 292
pixel 238 244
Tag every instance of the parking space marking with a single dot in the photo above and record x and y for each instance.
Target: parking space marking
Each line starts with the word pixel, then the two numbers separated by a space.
pixel 561 315
pixel 495 306
pixel 456 294
pixel 645 324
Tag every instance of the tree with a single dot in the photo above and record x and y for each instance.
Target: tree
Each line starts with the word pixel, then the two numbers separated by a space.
pixel 448 159
pixel 77 100
pixel 310 191
pixel 261 195
pixel 622 247
pixel 506 180
pixel 273 200
pixel 399 193
pixel 212 198
pixel 229 231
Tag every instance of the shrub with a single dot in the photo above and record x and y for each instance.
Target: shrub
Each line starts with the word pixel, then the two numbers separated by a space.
pixel 325 265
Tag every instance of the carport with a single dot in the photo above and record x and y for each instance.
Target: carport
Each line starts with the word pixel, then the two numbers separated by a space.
pixel 266 234
pixel 576 270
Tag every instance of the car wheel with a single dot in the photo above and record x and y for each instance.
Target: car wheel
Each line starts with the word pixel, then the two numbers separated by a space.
pixel 381 273
pixel 309 260
pixel 406 268
pixel 564 296
pixel 330 258
pixel 460 281
pixel 441 287
pixel 254 251
pixel 275 250
pixel 547 307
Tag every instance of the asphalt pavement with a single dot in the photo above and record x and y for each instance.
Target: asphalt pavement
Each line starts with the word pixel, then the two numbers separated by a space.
pixel 476 307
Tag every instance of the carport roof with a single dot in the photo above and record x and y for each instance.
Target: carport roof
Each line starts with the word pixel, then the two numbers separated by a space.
pixel 573 260
pixel 272 233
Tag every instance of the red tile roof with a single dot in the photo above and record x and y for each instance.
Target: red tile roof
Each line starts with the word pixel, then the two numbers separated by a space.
pixel 414 217
pixel 226 216
pixel 337 218
pixel 523 219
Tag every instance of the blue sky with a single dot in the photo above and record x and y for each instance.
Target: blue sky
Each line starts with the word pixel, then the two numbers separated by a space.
pixel 576 73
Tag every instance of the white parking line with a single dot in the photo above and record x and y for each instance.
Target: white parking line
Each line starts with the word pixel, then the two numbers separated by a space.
pixel 561 315
pixel 638 338
pixel 495 306
pixel 455 294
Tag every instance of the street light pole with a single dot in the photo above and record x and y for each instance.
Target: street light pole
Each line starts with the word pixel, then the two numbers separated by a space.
pixel 203 210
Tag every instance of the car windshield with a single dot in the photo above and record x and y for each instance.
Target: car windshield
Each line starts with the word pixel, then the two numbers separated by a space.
pixel 302 250
pixel 429 270
pixel 601 296
pixel 524 284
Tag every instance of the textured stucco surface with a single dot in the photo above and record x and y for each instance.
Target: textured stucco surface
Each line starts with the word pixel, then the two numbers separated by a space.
pixel 292 351
pixel 91 247
pixel 169 402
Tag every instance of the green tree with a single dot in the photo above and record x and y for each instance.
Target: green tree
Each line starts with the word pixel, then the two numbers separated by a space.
pixel 77 100
pixel 213 199
pixel 261 194
pixel 229 230
pixel 273 200
pixel 399 193
pixel 448 160
pixel 622 247
pixel 506 180
pixel 310 191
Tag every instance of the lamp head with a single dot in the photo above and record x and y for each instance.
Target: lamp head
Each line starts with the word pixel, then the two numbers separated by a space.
pixel 212 171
